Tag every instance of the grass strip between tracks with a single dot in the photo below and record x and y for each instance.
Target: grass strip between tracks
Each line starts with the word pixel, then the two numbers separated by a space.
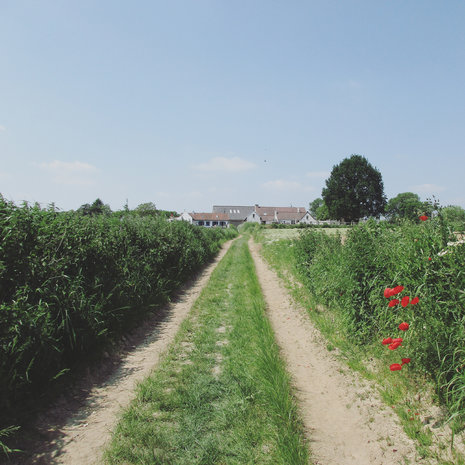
pixel 221 394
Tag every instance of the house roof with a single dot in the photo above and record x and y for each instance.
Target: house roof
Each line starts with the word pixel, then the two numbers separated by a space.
pixel 235 212
pixel 290 216
pixel 270 211
pixel 210 216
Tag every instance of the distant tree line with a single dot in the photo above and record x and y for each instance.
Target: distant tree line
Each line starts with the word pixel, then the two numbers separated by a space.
pixel 147 209
pixel 355 190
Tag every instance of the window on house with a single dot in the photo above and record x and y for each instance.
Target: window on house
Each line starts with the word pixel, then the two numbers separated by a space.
pixel 200 223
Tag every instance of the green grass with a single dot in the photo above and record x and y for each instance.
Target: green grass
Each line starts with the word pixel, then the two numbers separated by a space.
pixel 221 394
pixel 409 393
pixel 272 235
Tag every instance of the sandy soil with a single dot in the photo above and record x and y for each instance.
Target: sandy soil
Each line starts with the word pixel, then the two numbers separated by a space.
pixel 345 421
pixel 76 429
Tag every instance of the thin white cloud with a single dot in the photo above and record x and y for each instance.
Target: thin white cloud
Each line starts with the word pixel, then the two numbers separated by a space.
pixel 71 173
pixel 283 185
pixel 223 164
pixel 428 188
pixel 318 174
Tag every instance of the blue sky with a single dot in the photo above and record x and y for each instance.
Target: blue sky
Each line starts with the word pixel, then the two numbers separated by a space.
pixel 180 103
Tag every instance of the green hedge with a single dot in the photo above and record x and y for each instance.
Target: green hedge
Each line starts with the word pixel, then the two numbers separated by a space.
pixel 351 277
pixel 69 284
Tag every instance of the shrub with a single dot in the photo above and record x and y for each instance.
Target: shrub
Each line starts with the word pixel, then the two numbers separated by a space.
pixel 70 283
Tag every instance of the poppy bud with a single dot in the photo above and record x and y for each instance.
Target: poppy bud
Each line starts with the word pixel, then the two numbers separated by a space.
pixel 405 361
pixel 398 339
pixel 414 301
pixel 423 217
pixel 387 292
pixel 393 303
pixel 387 341
pixel 404 326
pixel 405 300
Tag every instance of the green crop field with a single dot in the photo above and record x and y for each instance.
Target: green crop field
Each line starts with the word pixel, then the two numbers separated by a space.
pixel 70 284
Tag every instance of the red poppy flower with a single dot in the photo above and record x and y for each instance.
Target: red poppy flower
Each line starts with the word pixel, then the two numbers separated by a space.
pixel 393 302
pixel 405 300
pixel 387 292
pixel 423 217
pixel 397 290
pixel 394 345
pixel 404 326
pixel 387 341
pixel 405 361
pixel 429 258
pixel 414 301
pixel 398 339
pixel 395 367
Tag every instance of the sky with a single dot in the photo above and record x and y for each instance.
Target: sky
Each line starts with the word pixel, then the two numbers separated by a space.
pixel 190 104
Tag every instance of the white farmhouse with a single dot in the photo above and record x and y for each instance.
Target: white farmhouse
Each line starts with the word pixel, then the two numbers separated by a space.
pixel 280 215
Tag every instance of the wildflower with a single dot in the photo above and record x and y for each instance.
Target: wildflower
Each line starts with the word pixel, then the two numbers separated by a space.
pixel 394 345
pixel 405 300
pixel 393 302
pixel 414 301
pixel 395 367
pixel 423 217
pixel 398 339
pixel 387 292
pixel 429 258
pixel 405 361
pixel 387 341
pixel 397 290
pixel 404 326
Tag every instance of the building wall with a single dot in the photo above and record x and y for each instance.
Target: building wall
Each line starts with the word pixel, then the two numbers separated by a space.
pixel 253 218
pixel 308 219
pixel 184 217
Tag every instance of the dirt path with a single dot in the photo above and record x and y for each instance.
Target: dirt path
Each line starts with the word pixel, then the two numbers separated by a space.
pixel 81 438
pixel 345 421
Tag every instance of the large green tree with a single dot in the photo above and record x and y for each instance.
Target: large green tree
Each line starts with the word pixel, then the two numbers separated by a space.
pixel 354 190
pixel 318 209
pixel 406 205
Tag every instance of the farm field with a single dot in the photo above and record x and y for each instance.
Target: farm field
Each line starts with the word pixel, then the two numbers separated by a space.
pixel 272 235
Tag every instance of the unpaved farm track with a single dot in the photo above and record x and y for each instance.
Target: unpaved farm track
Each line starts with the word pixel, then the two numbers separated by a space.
pixel 345 421
pixel 81 438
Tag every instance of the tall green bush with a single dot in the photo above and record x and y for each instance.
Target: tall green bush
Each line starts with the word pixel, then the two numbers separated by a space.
pixel 351 277
pixel 71 283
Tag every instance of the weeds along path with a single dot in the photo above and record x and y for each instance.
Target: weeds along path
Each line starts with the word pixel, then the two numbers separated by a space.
pixel 80 439
pixel 345 421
